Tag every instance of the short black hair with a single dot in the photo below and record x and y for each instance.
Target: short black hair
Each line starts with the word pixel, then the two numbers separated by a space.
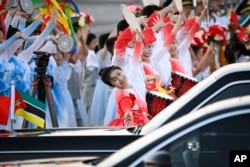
pixel 167 2
pixel 150 9
pixel 105 73
pixel 110 44
pixel 102 39
pixel 90 37
pixel 121 25
pixel 233 49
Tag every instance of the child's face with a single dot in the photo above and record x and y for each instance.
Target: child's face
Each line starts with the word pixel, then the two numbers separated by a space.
pixel 173 49
pixel 73 58
pixel 147 52
pixel 131 44
pixel 198 9
pixel 93 44
pixel 187 9
pixel 58 58
pixel 118 79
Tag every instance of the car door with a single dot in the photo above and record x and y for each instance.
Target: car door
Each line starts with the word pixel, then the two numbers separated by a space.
pixel 206 143
pixel 221 137
pixel 203 138
pixel 209 145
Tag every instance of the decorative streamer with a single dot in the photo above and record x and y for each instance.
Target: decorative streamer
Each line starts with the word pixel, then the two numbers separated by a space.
pixel 36 1
pixel 45 10
pixel 45 19
pixel 47 1
pixel 75 6
pixel 58 7
pixel 72 31
pixel 61 17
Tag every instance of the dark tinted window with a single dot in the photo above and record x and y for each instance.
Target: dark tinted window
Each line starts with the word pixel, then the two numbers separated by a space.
pixel 232 91
pixel 210 145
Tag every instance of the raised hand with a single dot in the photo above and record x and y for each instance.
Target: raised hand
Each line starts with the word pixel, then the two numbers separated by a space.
pixel 84 32
pixel 53 39
pixel 142 20
pixel 40 18
pixel 21 13
pixel 138 36
pixel 12 11
pixel 179 23
pixel 23 19
pixel 128 118
pixel 19 35
pixel 158 23
pixel 204 14
pixel 173 6
pixel 54 15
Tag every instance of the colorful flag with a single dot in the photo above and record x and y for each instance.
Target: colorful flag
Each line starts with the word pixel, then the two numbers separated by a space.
pixel 30 108
pixel 4 109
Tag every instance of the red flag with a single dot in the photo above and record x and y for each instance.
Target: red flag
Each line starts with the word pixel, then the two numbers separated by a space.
pixel 4 109
pixel 233 17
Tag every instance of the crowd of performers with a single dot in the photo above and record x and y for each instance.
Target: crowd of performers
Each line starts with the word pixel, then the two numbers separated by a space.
pixel 114 79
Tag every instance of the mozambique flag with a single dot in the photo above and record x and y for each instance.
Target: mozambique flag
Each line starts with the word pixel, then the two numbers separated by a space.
pixel 30 108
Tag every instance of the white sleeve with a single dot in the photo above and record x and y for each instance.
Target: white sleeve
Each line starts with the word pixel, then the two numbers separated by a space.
pixel 92 61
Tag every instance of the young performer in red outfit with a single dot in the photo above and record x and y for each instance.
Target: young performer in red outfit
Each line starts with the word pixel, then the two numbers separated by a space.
pixel 149 66
pixel 131 106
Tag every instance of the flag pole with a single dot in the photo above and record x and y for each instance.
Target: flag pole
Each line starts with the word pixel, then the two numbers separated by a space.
pixel 12 104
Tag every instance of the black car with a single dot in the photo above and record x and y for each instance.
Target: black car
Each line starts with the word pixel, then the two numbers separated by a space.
pixel 212 136
pixel 229 81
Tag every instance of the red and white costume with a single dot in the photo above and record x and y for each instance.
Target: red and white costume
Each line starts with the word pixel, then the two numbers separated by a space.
pixel 184 39
pixel 123 57
pixel 130 101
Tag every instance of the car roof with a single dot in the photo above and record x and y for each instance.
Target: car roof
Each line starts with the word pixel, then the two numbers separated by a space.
pixel 217 108
pixel 173 108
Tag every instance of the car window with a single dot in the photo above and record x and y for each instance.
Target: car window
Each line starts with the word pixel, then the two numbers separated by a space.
pixel 210 145
pixel 239 89
pixel 232 91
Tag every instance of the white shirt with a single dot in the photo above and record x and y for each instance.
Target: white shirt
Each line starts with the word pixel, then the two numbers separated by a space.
pixel 92 61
